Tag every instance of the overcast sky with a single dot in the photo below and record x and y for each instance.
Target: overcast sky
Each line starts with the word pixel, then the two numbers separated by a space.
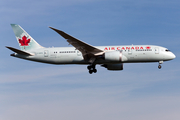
pixel 37 91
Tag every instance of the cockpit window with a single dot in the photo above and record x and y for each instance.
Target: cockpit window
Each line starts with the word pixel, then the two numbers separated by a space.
pixel 167 50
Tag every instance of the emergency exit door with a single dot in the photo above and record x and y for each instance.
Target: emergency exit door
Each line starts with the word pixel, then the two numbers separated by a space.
pixel 46 53
pixel 156 50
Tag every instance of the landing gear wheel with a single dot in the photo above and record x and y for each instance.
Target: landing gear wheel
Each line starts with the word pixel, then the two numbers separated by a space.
pixel 90 71
pixel 160 62
pixel 89 67
pixel 95 70
pixel 159 66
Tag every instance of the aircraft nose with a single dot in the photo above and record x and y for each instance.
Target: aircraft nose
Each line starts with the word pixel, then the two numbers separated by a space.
pixel 173 56
pixel 169 56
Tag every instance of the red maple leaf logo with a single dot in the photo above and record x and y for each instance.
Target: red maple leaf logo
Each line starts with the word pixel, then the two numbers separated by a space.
pixel 148 47
pixel 24 41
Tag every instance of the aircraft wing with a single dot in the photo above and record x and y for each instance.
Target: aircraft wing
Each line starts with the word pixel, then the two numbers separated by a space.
pixel 86 49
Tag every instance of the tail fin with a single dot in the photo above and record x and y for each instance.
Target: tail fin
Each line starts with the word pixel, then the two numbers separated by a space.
pixel 26 42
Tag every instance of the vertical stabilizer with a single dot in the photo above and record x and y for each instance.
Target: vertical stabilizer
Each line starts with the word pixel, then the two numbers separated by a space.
pixel 26 42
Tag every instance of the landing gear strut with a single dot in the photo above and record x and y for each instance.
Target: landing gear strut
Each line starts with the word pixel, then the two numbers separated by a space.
pixel 159 66
pixel 92 69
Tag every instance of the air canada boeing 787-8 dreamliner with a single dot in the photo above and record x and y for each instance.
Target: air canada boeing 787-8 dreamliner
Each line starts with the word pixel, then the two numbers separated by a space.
pixel 110 57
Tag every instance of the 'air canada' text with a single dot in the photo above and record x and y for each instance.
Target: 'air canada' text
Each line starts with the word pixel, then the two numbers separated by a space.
pixel 127 48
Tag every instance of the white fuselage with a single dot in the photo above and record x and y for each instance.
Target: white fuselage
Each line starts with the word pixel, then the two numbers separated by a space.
pixel 110 57
pixel 69 55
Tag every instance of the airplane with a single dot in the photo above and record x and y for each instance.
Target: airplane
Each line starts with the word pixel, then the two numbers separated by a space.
pixel 110 57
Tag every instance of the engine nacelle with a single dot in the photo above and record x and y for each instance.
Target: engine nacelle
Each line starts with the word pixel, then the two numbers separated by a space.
pixel 113 66
pixel 114 56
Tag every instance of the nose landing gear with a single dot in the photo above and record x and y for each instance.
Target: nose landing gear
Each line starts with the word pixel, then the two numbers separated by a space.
pixel 159 66
pixel 92 69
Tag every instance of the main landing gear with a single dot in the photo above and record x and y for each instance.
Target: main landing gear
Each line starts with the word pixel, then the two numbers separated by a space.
pixel 92 69
pixel 159 66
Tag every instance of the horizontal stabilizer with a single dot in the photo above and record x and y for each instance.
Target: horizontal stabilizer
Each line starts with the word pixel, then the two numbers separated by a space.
pixel 19 51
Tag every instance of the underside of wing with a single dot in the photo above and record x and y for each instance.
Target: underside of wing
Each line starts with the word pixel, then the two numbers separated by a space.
pixel 86 49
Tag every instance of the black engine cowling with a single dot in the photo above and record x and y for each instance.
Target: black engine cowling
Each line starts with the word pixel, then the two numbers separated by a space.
pixel 113 66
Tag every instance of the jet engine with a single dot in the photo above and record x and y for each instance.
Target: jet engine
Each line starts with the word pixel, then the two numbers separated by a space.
pixel 113 66
pixel 114 56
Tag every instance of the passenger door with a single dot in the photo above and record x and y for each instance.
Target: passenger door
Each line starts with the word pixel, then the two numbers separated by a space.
pixel 156 50
pixel 46 53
